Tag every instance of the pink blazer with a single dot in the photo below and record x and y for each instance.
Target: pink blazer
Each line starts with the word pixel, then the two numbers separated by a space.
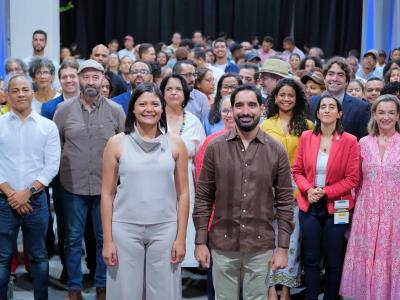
pixel 343 168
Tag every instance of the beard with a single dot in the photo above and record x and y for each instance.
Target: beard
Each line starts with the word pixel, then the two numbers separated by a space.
pixel 90 92
pixel 245 125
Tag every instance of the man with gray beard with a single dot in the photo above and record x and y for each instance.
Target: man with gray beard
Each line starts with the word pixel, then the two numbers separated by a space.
pixel 85 124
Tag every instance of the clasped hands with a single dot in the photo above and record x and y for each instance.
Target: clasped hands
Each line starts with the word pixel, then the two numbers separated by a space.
pixel 20 201
pixel 315 194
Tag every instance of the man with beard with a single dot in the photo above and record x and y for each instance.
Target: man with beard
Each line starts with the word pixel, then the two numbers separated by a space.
pixel 101 54
pixel 139 72
pixel 249 173
pixel 198 102
pixel 85 124
pixel 220 50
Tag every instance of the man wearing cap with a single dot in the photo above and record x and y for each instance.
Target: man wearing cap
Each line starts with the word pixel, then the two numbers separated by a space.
pixel 220 49
pixel 252 57
pixel 129 49
pixel 368 66
pixel 266 50
pixel 101 54
pixel 355 112
pixel 85 124
pixel 313 82
pixel 270 73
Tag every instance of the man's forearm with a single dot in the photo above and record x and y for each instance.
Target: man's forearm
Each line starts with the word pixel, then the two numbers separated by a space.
pixel 6 189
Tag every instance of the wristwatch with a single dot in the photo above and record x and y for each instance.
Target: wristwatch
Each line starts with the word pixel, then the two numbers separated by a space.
pixel 33 190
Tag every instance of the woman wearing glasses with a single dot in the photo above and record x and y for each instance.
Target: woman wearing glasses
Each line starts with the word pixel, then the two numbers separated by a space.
pixel 226 85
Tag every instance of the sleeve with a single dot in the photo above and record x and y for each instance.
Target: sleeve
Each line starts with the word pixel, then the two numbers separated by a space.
pixel 121 119
pixel 52 154
pixel 205 107
pixel 351 176
pixel 284 200
pixel 362 121
pixel 200 157
pixel 298 169
pixel 205 197
pixel 59 120
pixel 45 111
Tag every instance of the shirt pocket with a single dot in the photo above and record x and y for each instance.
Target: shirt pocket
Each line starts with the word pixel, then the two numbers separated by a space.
pixel 106 129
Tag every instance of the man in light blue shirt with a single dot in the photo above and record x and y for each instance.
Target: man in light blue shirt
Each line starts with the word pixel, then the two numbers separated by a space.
pixel 30 158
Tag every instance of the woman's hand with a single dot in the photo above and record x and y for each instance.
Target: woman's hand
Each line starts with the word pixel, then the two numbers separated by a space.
pixel 314 195
pixel 110 254
pixel 178 251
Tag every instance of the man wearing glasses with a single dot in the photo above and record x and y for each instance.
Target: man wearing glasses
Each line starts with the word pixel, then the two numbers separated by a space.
pixel 139 72
pixel 198 103
pixel 270 73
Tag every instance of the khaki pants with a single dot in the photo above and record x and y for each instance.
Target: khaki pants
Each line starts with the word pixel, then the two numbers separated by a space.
pixel 232 269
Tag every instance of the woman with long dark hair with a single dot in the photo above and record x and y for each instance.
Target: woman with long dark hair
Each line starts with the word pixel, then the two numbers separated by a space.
pixel 286 119
pixel 144 218
pixel 226 85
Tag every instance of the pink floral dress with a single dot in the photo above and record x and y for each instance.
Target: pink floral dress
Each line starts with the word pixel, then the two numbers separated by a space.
pixel 372 264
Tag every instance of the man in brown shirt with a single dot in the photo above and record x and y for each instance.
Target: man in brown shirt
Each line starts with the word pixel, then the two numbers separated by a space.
pixel 245 174
pixel 85 125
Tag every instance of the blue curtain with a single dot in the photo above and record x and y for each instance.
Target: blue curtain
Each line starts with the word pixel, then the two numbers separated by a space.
pixel 4 18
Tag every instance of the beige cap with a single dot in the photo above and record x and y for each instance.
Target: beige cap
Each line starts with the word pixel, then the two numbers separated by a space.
pixel 275 66
pixel 315 76
pixel 90 64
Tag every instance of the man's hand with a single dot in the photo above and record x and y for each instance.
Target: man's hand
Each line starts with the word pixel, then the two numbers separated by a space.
pixel 202 255
pixel 24 209
pixel 279 259
pixel 19 198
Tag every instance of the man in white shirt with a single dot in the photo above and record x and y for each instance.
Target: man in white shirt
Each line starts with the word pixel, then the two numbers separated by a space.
pixel 129 49
pixel 30 158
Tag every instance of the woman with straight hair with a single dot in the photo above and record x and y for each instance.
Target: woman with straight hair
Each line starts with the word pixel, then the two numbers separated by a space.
pixel 144 217
pixel 326 170
pixel 372 264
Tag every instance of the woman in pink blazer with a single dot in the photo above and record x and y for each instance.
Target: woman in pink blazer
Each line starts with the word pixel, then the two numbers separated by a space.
pixel 326 169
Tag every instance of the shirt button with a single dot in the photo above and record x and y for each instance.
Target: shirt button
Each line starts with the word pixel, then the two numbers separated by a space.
pixel 225 235
pixel 242 150
pixel 245 180
pixel 245 165
pixel 244 210
pixel 259 237
pixel 244 195
pixel 243 226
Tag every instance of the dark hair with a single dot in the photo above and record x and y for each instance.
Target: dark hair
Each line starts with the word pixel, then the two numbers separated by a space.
pixel 268 39
pixel 143 48
pixel 187 43
pixel 197 31
pixel 339 125
pixel 246 87
pixel 342 63
pixel 38 63
pixel 113 41
pixel 392 88
pixel 289 40
pixel 199 53
pixel 68 63
pixel 155 69
pixel 178 66
pixel 185 87
pixel 39 31
pixel 388 66
pixel 249 65
pixel 220 40
pixel 111 87
pixel 298 122
pixel 159 46
pixel 148 87
pixel 389 73
pixel 201 74
pixel 393 50
pixel 317 62
pixel 374 79
pixel 214 115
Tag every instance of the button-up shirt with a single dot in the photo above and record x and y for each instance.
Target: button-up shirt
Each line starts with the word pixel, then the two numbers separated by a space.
pixel 198 105
pixel 29 150
pixel 245 186
pixel 84 135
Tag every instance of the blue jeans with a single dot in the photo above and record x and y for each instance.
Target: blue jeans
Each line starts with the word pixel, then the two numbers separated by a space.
pixel 34 230
pixel 75 212
pixel 322 238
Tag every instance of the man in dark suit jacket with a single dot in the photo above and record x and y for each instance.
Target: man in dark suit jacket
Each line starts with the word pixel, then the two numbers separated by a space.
pixel 356 113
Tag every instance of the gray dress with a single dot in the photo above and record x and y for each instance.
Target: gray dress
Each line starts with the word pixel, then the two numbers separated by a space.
pixel 144 222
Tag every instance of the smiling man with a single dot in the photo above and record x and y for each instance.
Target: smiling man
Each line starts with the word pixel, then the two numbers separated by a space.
pixel 356 112
pixel 30 156
pixel 85 124
pixel 242 168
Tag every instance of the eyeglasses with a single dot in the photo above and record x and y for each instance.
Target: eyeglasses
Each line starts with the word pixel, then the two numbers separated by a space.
pixel 229 87
pixel 140 71
pixel 189 75
pixel 226 111
pixel 42 73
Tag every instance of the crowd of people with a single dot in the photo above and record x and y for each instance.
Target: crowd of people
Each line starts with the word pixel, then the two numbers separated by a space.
pixel 256 164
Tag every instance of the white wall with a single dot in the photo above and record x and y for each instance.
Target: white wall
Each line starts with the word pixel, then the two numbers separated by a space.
pixel 26 16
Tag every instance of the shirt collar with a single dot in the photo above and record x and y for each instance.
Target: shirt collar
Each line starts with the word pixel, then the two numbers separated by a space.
pixel 95 104
pixel 32 116
pixel 260 137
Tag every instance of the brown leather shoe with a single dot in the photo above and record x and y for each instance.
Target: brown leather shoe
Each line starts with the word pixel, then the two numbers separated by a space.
pixel 74 295
pixel 100 293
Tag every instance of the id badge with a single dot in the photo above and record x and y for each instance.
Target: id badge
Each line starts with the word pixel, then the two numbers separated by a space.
pixel 341 214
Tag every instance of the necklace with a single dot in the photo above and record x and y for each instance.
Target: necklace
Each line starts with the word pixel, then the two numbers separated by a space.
pixel 183 123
